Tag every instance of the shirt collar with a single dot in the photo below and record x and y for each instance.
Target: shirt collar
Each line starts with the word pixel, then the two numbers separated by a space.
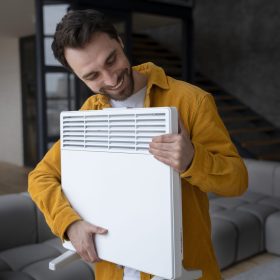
pixel 155 74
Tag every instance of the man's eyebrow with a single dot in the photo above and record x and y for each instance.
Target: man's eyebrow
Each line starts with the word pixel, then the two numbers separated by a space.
pixel 85 76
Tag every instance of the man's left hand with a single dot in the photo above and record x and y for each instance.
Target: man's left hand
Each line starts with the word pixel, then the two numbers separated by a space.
pixel 175 150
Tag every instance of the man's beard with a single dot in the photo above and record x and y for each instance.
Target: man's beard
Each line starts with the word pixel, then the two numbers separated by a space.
pixel 126 74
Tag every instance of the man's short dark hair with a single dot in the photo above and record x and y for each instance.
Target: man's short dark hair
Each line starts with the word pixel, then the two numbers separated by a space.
pixel 76 29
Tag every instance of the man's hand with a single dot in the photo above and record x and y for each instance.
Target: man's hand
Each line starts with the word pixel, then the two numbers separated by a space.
pixel 175 150
pixel 81 235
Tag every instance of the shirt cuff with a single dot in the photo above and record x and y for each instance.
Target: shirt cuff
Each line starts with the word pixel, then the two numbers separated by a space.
pixel 64 220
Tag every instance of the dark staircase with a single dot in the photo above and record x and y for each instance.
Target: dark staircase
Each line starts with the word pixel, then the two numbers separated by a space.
pixel 253 135
pixel 146 49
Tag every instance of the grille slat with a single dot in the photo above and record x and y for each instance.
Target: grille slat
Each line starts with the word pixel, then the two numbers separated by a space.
pixel 112 132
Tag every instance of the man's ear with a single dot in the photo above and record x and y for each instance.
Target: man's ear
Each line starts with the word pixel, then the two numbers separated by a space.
pixel 121 42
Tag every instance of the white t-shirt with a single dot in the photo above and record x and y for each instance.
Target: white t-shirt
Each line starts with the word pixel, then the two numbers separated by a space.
pixel 134 101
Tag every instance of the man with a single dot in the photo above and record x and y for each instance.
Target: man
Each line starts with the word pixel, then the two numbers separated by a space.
pixel 202 152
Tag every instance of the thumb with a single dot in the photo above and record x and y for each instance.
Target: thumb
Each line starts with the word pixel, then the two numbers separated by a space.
pixel 181 128
pixel 99 230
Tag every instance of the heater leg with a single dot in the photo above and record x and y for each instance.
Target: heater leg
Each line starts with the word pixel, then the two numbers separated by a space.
pixel 64 259
pixel 186 275
pixel 190 274
pixel 70 256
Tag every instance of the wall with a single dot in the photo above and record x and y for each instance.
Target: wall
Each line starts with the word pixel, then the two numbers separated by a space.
pixel 11 143
pixel 237 44
pixel 17 19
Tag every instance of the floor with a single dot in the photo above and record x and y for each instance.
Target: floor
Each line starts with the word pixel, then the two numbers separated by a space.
pixel 247 265
pixel 13 179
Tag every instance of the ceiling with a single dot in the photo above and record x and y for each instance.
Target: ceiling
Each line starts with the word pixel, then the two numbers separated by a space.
pixel 17 18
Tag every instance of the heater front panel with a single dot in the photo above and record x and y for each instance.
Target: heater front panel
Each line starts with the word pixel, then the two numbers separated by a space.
pixel 112 181
pixel 136 212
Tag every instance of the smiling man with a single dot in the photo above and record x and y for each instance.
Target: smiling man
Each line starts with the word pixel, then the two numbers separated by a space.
pixel 102 65
pixel 89 46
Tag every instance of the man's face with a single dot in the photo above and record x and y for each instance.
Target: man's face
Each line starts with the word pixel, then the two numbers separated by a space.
pixel 103 66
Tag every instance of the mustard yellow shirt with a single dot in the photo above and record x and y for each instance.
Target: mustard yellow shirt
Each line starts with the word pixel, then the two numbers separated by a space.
pixel 216 167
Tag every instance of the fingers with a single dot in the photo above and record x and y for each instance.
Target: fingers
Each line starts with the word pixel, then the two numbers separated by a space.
pixel 98 230
pixel 175 150
pixel 90 248
pixel 165 150
pixel 173 159
pixel 158 147
pixel 166 160
pixel 82 235
pixel 167 144
pixel 87 250
pixel 165 138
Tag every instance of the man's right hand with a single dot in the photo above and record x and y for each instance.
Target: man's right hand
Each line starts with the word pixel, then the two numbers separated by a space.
pixel 82 235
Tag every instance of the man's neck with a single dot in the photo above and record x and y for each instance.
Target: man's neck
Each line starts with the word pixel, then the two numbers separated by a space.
pixel 140 81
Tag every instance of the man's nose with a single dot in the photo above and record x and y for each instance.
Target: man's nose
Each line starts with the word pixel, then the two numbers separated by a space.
pixel 110 79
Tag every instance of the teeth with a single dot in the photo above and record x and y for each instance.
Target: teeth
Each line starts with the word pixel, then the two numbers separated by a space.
pixel 119 84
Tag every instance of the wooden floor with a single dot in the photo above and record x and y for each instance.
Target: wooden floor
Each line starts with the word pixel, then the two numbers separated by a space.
pixel 13 179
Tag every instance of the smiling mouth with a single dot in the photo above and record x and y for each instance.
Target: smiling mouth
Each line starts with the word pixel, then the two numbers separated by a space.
pixel 119 84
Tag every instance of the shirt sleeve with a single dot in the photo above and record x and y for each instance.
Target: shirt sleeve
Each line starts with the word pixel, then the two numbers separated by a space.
pixel 44 186
pixel 216 165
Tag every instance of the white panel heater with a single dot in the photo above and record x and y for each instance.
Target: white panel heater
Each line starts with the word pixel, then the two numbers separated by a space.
pixel 112 181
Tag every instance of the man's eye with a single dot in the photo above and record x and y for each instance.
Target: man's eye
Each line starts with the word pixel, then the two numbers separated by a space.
pixel 92 77
pixel 111 60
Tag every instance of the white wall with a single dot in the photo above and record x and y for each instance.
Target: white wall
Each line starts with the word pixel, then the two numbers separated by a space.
pixel 11 136
pixel 16 20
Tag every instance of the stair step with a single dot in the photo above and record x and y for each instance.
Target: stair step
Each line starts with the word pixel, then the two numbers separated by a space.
pixel 251 129
pixel 223 97
pixel 166 62
pixel 232 108
pixel 174 71
pixel 210 88
pixel 259 152
pixel 148 53
pixel 201 80
pixel 143 46
pixel 241 119
pixel 143 38
pixel 140 35
pixel 260 142
pixel 253 135
pixel 273 156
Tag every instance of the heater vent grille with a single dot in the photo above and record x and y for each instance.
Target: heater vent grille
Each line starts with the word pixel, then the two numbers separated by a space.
pixel 108 131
